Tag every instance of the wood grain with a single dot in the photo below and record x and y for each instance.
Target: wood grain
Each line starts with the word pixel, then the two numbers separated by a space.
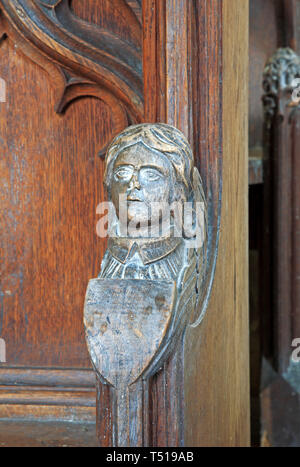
pixel 51 174
pixel 47 377
pixel 16 433
pixel 21 395
pixel 216 360
pixel 52 184
pixel 192 91
pixel 282 200
pixel 43 413
pixel 291 10
pixel 119 16
pixel 50 187
pixel 265 35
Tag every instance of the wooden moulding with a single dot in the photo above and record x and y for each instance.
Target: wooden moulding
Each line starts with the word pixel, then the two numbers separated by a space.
pixel 282 195
pixel 78 56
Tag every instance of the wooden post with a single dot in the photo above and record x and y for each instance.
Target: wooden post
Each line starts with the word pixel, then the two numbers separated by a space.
pixel 180 62
pixel 280 427
pixel 195 77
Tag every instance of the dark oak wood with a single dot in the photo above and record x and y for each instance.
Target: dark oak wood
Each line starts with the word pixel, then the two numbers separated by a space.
pixel 47 434
pixel 187 75
pixel 222 337
pixel 255 168
pixel 273 232
pixel 51 185
pixel 281 133
pixel 291 15
pixel 46 377
pixel 101 68
pixel 265 35
pixel 281 252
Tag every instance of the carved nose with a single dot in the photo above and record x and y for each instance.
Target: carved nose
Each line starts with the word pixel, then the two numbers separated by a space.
pixel 134 182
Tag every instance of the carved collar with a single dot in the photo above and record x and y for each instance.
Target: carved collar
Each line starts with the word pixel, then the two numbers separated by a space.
pixel 150 249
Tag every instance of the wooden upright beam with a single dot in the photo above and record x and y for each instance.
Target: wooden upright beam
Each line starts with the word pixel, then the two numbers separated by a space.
pixel 217 354
pixel 210 106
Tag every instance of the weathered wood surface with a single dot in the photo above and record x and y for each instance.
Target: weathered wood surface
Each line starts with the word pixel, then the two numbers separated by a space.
pixel 152 277
pixel 50 295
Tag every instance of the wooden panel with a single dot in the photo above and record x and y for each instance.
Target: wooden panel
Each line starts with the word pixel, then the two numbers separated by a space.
pixel 47 377
pixel 16 433
pixel 51 174
pixel 50 187
pixel 55 162
pixel 217 354
pixel 282 136
pixel 115 16
pixel 21 395
pixel 190 38
pixel 45 412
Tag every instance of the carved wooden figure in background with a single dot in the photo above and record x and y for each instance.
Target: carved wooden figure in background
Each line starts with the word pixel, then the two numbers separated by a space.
pixel 138 308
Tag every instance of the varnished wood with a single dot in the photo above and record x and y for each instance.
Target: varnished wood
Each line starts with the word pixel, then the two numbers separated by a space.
pixel 16 433
pixel 282 132
pixel 50 170
pixel 291 10
pixel 31 411
pixel 218 415
pixel 23 395
pixel 255 170
pixel 265 35
pixel 60 41
pixel 51 221
pixel 150 287
pixel 156 91
pixel 200 25
pixel 47 377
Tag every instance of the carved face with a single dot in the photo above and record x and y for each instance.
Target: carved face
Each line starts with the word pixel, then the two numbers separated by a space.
pixel 142 177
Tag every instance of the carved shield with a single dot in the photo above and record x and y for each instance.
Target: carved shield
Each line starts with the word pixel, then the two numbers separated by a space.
pixel 125 323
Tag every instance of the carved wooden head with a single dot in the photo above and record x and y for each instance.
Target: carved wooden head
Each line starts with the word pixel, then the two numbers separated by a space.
pixel 147 164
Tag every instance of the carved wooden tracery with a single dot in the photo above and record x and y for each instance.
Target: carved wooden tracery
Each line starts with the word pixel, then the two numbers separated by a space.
pixel 80 58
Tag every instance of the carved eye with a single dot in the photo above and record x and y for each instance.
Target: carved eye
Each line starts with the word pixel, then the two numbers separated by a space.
pixel 123 173
pixel 150 175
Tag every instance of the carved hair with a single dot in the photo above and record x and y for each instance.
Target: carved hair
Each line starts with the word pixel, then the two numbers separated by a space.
pixel 164 139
